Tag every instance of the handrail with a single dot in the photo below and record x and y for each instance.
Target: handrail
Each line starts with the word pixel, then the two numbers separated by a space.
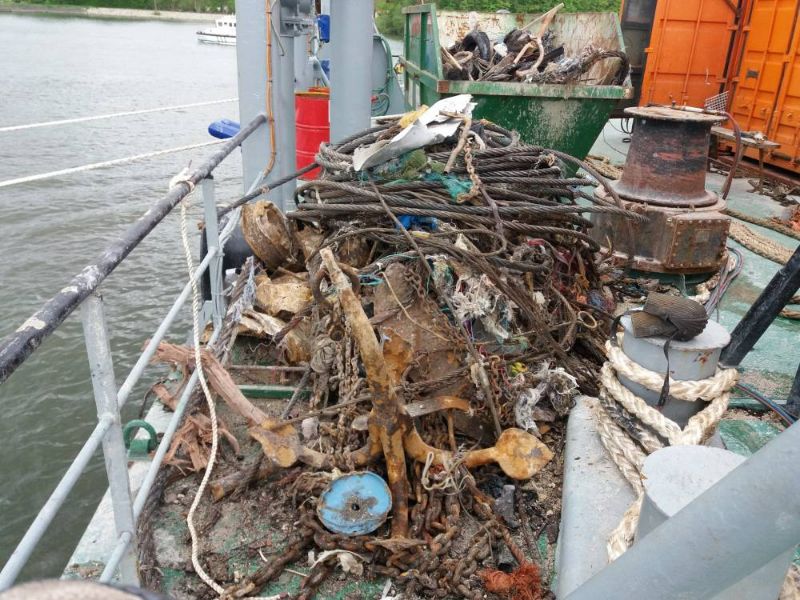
pixel 53 504
pixel 109 398
pixel 124 541
pixel 19 345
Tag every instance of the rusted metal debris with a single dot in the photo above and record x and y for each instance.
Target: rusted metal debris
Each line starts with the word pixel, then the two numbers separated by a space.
pixel 528 54
pixel 664 179
pixel 422 308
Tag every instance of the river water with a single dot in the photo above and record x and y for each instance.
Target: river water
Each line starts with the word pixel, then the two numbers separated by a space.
pixel 56 68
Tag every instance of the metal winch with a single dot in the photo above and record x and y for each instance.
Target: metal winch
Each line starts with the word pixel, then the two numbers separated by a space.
pixel 664 179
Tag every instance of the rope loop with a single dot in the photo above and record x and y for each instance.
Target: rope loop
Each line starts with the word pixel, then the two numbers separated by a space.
pixel 689 391
pixel 183 177
pixel 624 450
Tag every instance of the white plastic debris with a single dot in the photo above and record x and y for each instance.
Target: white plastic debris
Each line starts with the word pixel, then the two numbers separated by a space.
pixel 501 49
pixel 309 427
pixel 523 409
pixel 554 384
pixel 431 127
pixel 350 562
pixel 477 298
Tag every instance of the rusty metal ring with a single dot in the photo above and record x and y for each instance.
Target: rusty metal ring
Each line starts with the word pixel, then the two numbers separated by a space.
pixel 316 279
pixel 587 319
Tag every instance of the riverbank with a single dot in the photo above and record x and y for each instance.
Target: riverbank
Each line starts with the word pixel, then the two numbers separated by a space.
pixel 106 13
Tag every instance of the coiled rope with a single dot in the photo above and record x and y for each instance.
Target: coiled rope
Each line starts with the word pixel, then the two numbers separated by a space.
pixel 763 222
pixel 629 446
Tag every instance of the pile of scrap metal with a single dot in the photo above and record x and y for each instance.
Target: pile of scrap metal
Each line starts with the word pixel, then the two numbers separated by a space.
pixel 524 56
pixel 438 291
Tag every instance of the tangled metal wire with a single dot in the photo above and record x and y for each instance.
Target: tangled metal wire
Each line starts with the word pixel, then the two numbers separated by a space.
pixel 514 218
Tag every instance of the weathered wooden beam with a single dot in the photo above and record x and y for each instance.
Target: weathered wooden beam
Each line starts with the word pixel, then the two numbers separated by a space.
pixel 218 378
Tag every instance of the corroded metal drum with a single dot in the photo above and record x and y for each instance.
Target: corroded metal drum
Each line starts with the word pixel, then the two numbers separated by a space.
pixel 666 162
pixel 664 179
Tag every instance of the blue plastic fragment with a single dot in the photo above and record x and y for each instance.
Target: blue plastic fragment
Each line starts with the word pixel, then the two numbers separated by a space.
pixel 223 129
pixel 324 27
pixel 411 222
pixel 355 504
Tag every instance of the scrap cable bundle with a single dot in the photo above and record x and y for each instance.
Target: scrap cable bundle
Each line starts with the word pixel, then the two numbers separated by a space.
pixel 502 208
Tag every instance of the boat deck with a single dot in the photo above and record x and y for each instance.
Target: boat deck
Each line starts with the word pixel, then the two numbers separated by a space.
pixel 242 532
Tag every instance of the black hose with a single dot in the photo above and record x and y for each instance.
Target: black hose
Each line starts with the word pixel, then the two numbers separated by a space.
pixel 222 211
pixel 756 395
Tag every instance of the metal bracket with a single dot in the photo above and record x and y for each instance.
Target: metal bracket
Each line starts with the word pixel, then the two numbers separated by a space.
pixel 296 17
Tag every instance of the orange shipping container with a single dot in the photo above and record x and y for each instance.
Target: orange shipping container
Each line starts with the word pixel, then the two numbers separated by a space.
pixel 766 95
pixel 688 53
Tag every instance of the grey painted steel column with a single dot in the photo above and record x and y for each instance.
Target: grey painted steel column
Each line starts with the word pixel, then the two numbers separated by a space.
pixel 351 66
pixel 101 366
pixel 251 57
pixel 212 241
pixel 283 103
pixel 735 528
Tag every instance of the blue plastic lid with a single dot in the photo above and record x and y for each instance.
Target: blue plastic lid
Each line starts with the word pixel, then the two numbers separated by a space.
pixel 355 504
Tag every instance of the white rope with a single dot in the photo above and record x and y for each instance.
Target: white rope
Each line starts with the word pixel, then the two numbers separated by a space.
pixel 622 537
pixel 212 413
pixel 127 113
pixel 704 389
pixel 629 457
pixel 102 165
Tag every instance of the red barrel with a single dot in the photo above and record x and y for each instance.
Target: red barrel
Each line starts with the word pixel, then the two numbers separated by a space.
pixel 313 125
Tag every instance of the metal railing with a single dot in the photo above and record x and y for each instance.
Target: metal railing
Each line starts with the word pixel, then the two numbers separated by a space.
pixel 82 292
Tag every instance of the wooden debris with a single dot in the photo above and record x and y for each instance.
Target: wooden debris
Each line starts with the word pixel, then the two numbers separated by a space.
pixel 297 342
pixel 256 470
pixel 284 295
pixel 193 441
pixel 218 378
pixel 390 421
pixel 308 238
